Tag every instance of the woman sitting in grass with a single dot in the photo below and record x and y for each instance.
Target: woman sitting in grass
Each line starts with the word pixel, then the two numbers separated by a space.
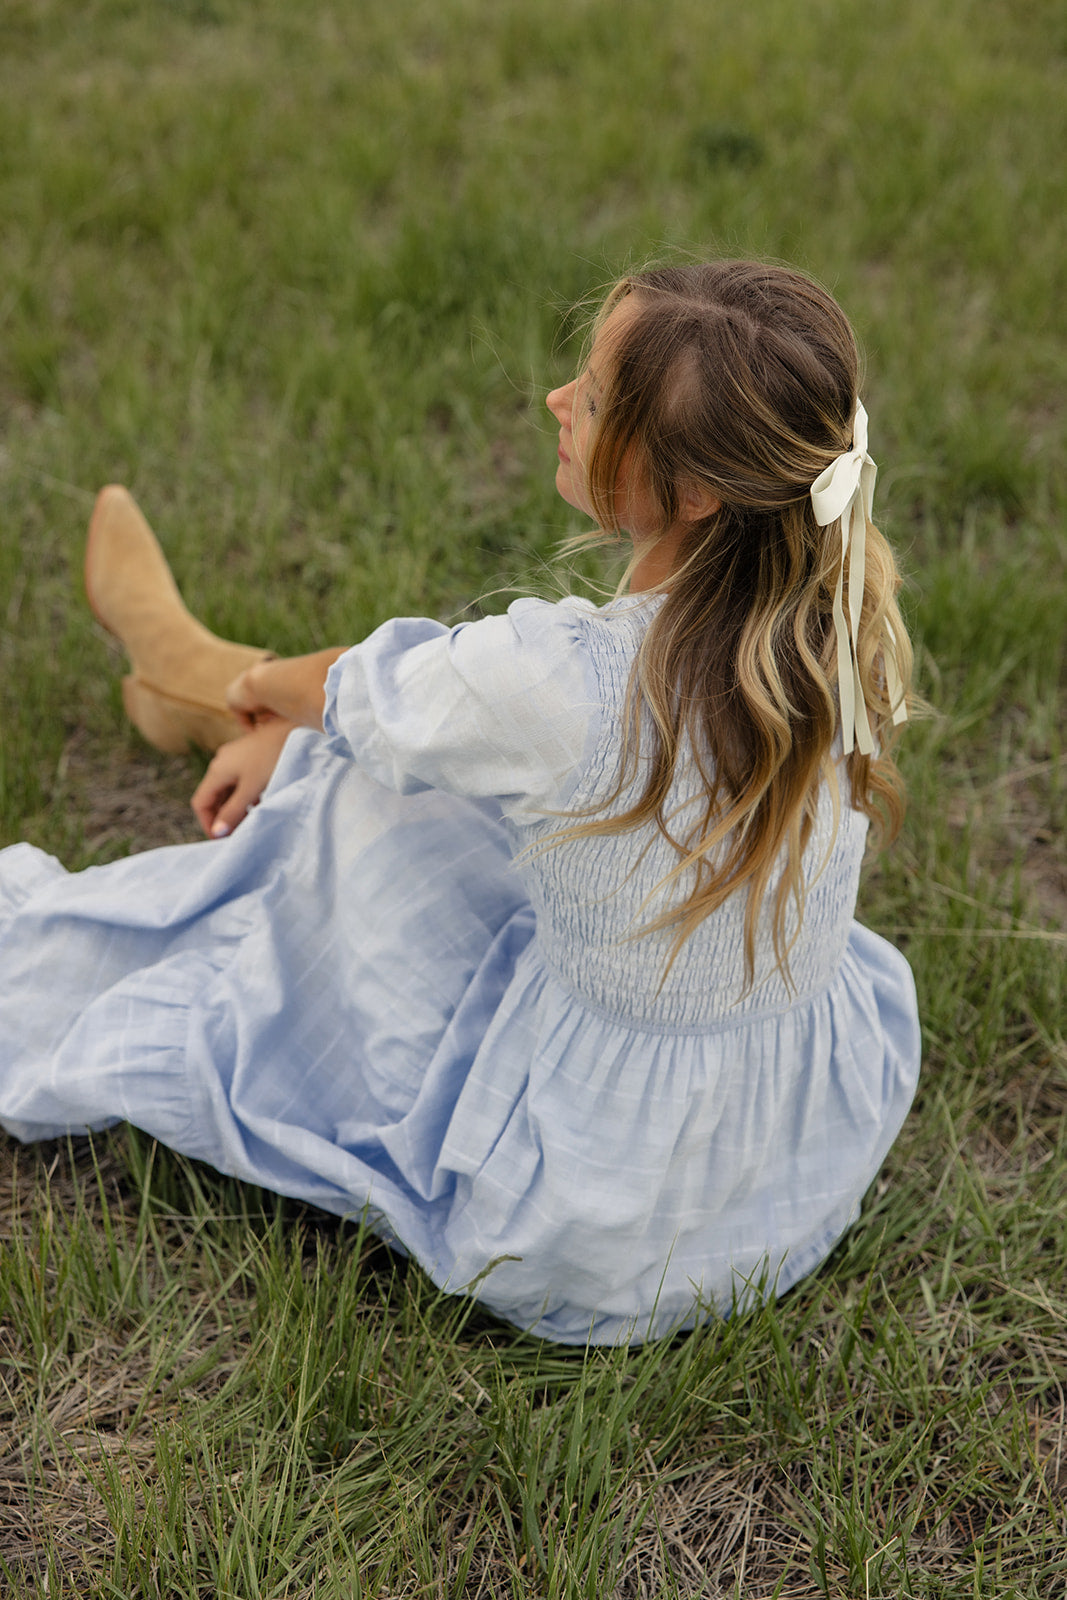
pixel 532 939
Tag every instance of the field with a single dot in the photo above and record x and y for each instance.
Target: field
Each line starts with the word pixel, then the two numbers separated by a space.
pixel 301 275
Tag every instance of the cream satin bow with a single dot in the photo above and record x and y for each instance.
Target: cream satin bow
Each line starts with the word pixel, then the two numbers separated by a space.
pixel 845 490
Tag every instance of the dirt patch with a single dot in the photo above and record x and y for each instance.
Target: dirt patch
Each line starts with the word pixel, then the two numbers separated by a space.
pixel 129 796
pixel 1021 814
pixel 85 1442
pixel 1036 806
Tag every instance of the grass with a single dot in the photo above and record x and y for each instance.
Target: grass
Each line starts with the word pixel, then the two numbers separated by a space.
pixel 301 277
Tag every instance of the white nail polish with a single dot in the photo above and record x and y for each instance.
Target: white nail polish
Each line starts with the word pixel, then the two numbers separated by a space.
pixel 220 830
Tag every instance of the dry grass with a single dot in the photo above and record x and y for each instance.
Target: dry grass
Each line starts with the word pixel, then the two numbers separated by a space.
pixel 864 1438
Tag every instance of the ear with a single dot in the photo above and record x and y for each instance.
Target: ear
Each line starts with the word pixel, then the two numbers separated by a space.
pixel 698 502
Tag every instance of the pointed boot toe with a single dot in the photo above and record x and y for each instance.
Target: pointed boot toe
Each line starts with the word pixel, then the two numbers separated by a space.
pixel 127 580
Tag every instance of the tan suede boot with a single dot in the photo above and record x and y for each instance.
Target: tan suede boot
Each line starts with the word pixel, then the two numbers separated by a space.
pixel 176 693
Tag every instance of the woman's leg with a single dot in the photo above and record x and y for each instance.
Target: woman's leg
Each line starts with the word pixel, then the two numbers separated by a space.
pixel 176 692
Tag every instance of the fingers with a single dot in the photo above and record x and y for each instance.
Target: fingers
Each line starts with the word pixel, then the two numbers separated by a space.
pixel 253 696
pixel 234 808
pixel 237 776
pixel 212 804
pixel 225 795
pixel 292 687
pixel 243 700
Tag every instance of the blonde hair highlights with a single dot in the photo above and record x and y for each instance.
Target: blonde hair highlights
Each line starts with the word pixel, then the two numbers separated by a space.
pixel 740 380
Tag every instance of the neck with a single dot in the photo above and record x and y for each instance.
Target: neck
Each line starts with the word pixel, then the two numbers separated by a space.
pixel 656 559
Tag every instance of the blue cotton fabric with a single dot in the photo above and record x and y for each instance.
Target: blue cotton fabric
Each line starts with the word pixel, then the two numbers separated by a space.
pixel 384 994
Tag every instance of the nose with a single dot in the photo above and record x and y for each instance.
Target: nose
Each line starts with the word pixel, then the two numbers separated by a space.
pixel 559 402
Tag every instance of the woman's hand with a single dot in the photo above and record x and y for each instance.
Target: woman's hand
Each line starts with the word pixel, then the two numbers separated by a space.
pixel 293 687
pixel 238 774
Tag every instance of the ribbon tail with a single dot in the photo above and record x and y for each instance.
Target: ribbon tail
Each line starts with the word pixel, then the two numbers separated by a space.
pixel 845 490
pixel 864 736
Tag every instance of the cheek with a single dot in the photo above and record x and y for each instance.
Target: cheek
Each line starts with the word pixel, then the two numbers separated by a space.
pixel 635 505
pixel 580 434
pixel 570 484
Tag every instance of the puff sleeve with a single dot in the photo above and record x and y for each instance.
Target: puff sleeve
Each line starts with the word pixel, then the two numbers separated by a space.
pixel 506 707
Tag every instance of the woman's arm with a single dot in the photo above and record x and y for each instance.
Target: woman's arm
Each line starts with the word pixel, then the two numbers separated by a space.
pixel 293 687
pixel 270 699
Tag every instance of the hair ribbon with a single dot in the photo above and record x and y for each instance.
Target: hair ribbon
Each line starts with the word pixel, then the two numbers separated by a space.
pixel 845 490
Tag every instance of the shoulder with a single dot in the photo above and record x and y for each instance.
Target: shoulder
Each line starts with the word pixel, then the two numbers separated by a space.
pixel 570 641
pixel 606 636
pixel 509 705
pixel 531 633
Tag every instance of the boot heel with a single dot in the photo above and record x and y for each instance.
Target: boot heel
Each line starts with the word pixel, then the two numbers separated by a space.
pixel 173 725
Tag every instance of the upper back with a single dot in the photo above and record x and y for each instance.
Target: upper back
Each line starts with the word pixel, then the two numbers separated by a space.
pixel 592 894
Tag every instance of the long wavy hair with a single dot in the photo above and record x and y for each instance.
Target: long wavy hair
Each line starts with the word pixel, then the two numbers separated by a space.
pixel 739 380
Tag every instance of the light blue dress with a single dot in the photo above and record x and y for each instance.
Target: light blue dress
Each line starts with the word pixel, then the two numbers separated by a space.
pixel 382 994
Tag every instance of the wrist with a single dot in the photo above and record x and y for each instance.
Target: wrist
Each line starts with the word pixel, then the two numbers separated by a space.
pixel 299 687
pixel 319 664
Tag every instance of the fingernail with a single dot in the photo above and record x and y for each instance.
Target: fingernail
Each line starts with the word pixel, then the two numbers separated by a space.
pixel 220 830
